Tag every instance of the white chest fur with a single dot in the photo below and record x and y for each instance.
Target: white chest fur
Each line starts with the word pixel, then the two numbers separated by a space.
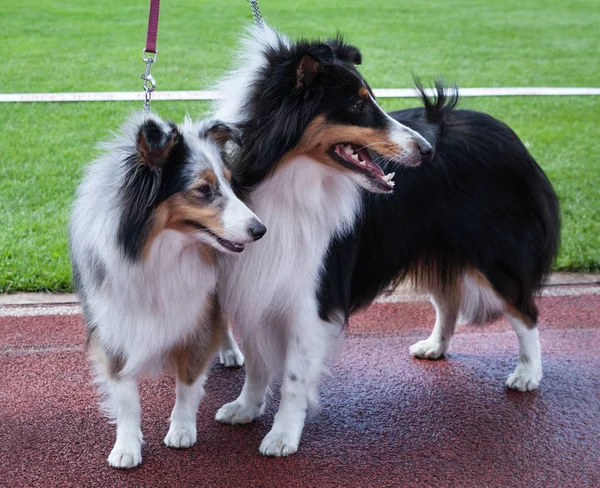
pixel 304 204
pixel 146 309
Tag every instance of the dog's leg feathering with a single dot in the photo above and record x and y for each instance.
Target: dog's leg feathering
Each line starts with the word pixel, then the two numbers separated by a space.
pixel 528 374
pixel 124 401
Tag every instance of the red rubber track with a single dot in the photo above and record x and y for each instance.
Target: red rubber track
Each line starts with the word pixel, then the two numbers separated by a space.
pixel 387 419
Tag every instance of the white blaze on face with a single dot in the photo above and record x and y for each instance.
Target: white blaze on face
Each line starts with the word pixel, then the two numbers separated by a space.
pixel 413 145
pixel 237 218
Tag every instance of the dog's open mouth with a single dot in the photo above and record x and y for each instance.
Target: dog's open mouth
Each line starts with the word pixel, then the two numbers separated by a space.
pixel 229 245
pixel 358 159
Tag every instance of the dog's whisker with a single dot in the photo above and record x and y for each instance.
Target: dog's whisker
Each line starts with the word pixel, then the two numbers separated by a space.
pixel 380 143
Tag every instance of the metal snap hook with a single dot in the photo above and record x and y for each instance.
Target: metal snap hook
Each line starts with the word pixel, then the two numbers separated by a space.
pixel 149 82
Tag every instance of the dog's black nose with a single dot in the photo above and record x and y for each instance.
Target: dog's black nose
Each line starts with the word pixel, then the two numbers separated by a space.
pixel 426 150
pixel 257 229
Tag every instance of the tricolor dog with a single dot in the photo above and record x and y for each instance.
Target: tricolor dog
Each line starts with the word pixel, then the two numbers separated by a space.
pixel 469 216
pixel 150 218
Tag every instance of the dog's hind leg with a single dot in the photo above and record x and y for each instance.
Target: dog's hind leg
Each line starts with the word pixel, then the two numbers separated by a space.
pixel 528 374
pixel 436 345
pixel 518 306
pixel 230 355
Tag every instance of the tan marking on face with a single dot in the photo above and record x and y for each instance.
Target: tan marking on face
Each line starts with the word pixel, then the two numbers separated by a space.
pixel 363 93
pixel 207 176
pixel 321 135
pixel 192 355
pixel 178 212
pixel 227 174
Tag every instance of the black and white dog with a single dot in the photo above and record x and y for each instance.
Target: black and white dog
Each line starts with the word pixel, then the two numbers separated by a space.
pixel 476 224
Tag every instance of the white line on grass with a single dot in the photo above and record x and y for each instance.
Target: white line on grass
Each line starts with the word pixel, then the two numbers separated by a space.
pixel 213 95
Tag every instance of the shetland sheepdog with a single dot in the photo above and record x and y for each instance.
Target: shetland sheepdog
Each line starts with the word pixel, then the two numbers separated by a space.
pixel 149 218
pixel 476 224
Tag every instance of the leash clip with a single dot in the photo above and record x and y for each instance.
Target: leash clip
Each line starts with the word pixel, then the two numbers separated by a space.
pixel 149 81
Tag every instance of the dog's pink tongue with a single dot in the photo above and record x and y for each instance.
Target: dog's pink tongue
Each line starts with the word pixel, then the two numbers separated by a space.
pixel 364 155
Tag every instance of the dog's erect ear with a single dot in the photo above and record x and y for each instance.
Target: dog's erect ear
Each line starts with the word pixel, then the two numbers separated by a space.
pixel 311 64
pixel 222 133
pixel 307 71
pixel 154 143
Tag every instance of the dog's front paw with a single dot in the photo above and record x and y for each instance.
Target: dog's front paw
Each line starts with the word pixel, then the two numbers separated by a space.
pixel 525 378
pixel 238 413
pixel 125 455
pixel 428 349
pixel 231 357
pixel 181 435
pixel 279 443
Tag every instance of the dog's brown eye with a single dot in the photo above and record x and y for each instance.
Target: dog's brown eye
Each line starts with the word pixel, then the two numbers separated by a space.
pixel 358 106
pixel 204 189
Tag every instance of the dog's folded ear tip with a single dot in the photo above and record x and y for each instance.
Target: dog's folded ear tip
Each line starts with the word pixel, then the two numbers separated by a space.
pixel 324 53
pixel 348 53
pixel 154 143
pixel 221 133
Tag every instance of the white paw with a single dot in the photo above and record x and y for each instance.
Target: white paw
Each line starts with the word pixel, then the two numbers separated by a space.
pixel 238 413
pixel 525 378
pixel 125 455
pixel 279 443
pixel 428 349
pixel 231 358
pixel 181 435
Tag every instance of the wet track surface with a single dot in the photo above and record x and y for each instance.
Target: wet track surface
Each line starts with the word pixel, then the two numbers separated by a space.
pixel 386 419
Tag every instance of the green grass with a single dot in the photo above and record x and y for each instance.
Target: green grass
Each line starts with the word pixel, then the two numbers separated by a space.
pixel 85 46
